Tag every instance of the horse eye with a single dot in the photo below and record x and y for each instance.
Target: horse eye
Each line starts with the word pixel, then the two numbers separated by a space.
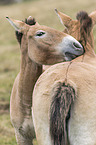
pixel 40 33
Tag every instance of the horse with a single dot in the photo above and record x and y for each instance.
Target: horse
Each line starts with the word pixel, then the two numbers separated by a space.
pixel 64 96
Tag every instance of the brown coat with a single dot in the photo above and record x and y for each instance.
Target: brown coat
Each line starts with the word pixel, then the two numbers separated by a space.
pixel 73 84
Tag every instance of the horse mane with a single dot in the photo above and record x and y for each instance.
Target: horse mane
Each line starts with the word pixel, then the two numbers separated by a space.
pixel 30 21
pixel 86 24
pixel 18 34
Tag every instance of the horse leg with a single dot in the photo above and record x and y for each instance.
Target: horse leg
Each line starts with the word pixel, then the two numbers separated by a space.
pixel 25 132
pixel 21 140
pixel 41 125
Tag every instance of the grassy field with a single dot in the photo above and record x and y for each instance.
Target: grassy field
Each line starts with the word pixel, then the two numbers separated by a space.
pixel 43 11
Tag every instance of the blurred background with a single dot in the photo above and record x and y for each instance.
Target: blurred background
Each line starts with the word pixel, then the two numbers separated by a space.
pixel 43 12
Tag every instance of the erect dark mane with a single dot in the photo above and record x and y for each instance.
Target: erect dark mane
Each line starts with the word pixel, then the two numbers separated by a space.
pixel 86 24
pixel 30 21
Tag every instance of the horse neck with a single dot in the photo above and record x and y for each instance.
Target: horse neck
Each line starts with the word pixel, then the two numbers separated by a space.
pixel 89 49
pixel 29 73
pixel 89 55
pixel 89 52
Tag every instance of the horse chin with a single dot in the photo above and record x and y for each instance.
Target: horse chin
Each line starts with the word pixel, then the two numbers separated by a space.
pixel 70 56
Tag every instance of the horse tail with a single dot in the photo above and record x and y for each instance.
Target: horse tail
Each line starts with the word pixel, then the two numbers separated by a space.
pixel 62 98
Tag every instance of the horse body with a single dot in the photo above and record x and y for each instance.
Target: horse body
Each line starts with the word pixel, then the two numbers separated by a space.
pixel 67 116
pixel 82 122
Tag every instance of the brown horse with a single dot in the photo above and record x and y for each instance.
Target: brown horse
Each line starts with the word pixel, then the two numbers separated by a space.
pixel 64 97
pixel 77 28
pixel 82 30
pixel 39 45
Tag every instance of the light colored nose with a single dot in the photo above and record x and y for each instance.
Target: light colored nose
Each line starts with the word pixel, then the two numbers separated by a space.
pixel 77 45
pixel 74 46
pixel 71 48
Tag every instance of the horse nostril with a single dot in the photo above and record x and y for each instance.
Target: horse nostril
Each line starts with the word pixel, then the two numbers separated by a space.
pixel 77 46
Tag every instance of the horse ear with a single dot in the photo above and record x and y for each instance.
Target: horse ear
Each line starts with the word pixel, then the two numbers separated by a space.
pixel 93 17
pixel 18 25
pixel 65 20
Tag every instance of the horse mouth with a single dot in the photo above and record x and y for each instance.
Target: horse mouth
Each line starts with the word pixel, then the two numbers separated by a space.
pixel 70 56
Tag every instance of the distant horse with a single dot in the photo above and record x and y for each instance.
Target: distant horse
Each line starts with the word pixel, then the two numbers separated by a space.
pixel 64 97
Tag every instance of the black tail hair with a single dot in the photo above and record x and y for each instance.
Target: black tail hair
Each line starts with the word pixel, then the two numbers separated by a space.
pixel 62 98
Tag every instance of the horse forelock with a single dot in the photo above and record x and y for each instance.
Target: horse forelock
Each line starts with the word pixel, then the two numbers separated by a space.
pixel 30 21
pixel 86 24
pixel 82 15
pixel 85 20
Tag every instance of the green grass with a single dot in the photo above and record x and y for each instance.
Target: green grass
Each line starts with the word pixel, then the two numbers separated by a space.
pixel 43 11
pixel 7 135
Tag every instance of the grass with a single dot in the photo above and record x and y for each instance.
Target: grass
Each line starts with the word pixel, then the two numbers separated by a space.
pixel 43 11
pixel 7 135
